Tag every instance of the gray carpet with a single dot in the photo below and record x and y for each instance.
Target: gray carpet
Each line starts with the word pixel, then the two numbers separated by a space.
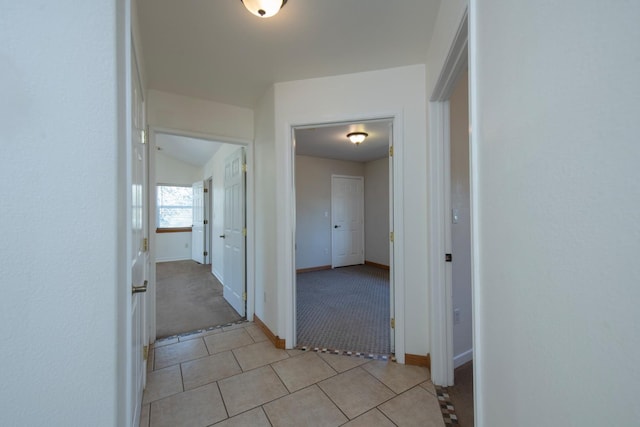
pixel 344 309
pixel 189 297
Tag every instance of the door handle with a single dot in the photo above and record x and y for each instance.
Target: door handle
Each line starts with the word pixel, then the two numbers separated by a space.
pixel 337 226
pixel 140 289
pixel 223 236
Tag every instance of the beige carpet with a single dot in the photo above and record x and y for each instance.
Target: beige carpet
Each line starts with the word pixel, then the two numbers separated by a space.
pixel 461 394
pixel 189 297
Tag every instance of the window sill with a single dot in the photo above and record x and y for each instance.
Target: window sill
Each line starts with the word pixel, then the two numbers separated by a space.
pixel 174 230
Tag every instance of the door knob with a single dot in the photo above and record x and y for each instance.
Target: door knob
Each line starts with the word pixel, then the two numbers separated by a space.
pixel 223 236
pixel 337 226
pixel 140 289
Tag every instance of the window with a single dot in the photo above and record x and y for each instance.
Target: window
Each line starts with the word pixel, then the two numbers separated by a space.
pixel 174 207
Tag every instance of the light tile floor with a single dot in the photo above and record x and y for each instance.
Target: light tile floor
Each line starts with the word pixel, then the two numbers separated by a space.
pixel 233 376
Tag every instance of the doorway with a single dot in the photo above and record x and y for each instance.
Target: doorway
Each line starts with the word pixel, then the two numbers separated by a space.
pixel 344 199
pixel 189 290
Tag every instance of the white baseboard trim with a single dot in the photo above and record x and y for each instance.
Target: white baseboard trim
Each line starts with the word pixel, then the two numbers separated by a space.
pixel 217 276
pixel 171 259
pixel 463 358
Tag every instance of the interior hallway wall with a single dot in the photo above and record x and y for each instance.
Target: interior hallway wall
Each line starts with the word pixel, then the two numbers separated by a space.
pixel 266 289
pixel 555 102
pixel 355 96
pixel 376 211
pixel 61 266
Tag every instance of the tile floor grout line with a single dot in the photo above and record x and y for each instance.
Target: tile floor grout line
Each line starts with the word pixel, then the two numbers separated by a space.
pixel 223 402
pixel 380 381
pixel 278 375
pixel 332 401
pixel 182 379
pixel 149 418
pixel 386 416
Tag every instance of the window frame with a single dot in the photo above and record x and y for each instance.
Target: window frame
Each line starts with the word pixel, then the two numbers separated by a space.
pixel 159 229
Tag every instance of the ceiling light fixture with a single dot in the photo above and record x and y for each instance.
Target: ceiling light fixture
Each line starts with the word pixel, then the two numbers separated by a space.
pixel 357 137
pixel 264 8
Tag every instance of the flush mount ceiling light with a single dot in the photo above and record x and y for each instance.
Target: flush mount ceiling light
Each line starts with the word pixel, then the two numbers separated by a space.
pixel 357 137
pixel 264 8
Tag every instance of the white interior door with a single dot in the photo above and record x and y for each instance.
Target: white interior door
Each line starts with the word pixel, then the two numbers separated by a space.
pixel 139 255
pixel 234 231
pixel 197 227
pixel 347 214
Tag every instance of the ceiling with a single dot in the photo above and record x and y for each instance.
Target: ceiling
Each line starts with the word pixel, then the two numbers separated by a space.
pixel 190 150
pixel 324 141
pixel 331 141
pixel 217 50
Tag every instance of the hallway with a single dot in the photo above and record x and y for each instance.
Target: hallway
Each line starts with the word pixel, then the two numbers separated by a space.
pixel 233 376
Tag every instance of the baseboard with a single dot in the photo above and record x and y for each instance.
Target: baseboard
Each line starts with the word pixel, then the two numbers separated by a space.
pixel 171 259
pixel 417 360
pixel 375 264
pixel 309 270
pixel 217 276
pixel 463 358
pixel 276 340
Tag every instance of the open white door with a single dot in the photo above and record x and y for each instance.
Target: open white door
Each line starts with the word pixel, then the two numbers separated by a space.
pixel 347 215
pixel 234 231
pixel 198 252
pixel 139 242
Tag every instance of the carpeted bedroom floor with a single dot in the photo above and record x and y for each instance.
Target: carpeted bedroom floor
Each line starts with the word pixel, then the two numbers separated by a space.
pixel 344 308
pixel 189 297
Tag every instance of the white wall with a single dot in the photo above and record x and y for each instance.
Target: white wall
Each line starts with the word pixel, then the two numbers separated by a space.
pixel 376 208
pixel 215 169
pixel 177 112
pixel 461 231
pixel 556 100
pixel 313 207
pixel 59 173
pixel 266 291
pixel 173 246
pixel 358 96
pixel 169 170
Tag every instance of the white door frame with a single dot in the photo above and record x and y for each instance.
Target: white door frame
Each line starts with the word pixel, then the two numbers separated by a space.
pixel 127 54
pixel 439 227
pixel 287 223
pixel 250 254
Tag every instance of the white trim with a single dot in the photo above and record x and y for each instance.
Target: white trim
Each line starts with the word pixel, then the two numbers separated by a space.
pixel 462 358
pixel 124 362
pixel 171 259
pixel 440 277
pixel 478 399
pixel 286 222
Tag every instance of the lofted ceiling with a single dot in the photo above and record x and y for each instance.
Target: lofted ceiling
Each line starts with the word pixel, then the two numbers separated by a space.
pixel 189 150
pixel 217 50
